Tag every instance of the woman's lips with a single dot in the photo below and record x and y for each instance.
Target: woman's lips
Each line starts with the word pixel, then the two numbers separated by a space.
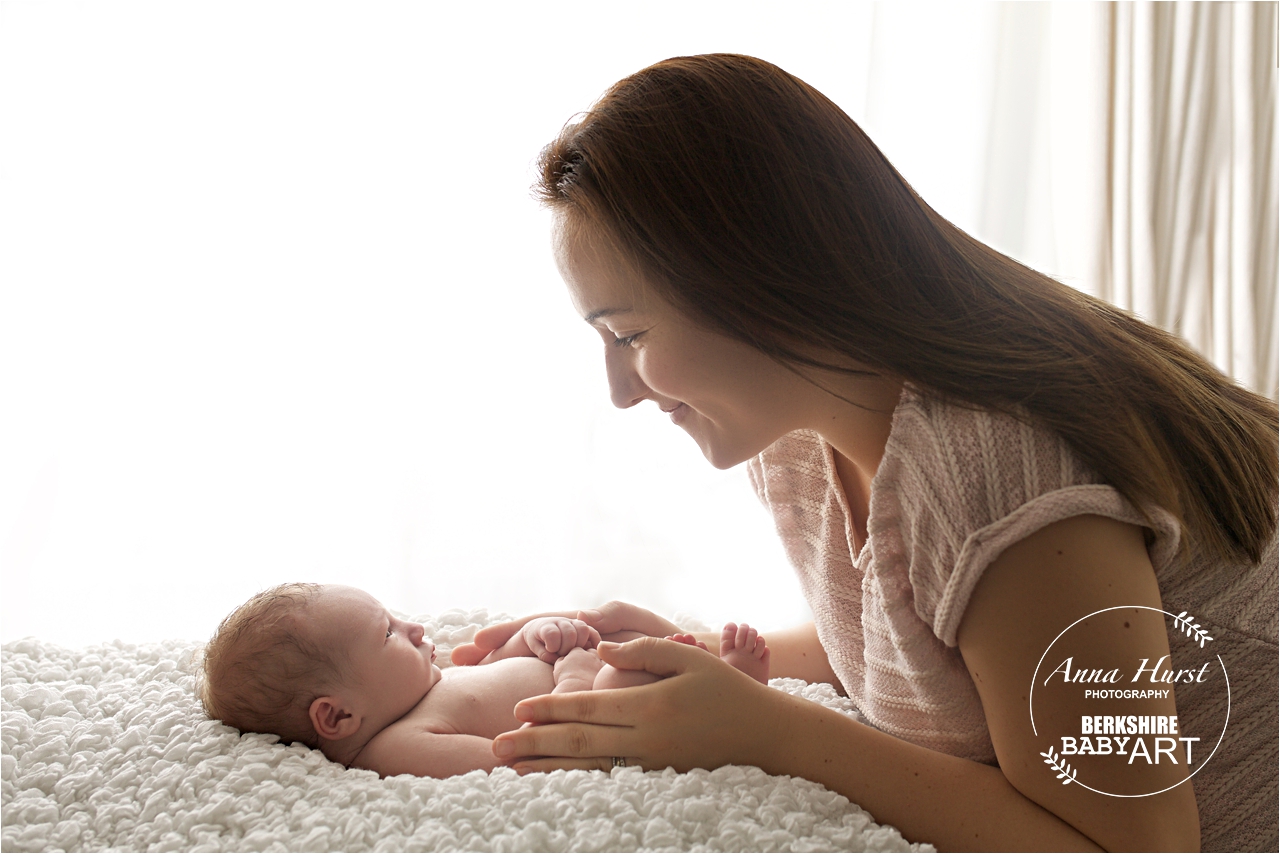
pixel 678 414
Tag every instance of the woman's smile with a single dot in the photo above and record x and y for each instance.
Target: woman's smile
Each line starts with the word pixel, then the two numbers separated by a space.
pixel 744 401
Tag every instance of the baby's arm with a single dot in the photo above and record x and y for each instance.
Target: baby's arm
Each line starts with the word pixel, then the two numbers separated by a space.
pixel 547 638
pixel 412 750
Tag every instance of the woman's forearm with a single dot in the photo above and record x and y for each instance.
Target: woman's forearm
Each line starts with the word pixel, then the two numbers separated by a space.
pixel 955 804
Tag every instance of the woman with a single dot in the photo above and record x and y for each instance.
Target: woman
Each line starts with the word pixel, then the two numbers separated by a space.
pixel 963 457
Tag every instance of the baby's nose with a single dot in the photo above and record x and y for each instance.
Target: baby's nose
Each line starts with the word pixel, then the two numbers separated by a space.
pixel 417 633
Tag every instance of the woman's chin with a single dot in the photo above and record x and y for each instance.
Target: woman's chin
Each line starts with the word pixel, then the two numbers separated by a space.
pixel 723 456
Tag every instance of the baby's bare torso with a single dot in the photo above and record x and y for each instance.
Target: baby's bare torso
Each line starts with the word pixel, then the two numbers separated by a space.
pixel 479 700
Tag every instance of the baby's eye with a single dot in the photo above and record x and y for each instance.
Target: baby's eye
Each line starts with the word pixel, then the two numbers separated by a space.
pixel 388 631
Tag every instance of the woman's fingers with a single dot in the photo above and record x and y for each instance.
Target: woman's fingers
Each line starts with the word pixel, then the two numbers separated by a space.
pixel 658 656
pixel 618 616
pixel 705 715
pixel 610 706
pixel 486 640
pixel 568 740
pixel 492 637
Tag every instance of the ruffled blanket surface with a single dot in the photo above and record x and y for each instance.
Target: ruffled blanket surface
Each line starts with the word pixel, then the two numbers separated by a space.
pixel 107 747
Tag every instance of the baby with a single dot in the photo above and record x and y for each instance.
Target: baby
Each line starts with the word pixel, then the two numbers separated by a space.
pixel 331 668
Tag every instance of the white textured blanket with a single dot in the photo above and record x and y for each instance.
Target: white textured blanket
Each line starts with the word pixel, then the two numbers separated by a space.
pixel 107 747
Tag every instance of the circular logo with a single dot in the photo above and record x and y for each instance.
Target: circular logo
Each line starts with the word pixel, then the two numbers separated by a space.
pixel 1106 716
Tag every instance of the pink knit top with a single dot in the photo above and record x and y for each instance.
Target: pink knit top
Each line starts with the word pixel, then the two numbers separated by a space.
pixel 955 488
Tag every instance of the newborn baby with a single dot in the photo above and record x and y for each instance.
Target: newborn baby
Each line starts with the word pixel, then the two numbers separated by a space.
pixel 331 668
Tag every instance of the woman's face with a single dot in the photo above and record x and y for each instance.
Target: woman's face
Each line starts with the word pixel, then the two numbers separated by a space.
pixel 731 398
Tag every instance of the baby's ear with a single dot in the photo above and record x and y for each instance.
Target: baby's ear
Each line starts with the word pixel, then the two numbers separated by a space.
pixel 331 720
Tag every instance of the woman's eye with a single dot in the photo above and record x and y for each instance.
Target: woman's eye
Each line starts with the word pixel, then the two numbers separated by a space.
pixel 626 342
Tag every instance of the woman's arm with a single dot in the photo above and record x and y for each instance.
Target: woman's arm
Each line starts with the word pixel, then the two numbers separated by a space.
pixel 707 715
pixel 1037 587
pixel 796 653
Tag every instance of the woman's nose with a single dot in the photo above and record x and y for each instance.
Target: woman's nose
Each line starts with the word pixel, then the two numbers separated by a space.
pixel 626 389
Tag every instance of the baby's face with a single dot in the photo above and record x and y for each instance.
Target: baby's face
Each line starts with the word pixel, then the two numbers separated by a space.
pixel 390 659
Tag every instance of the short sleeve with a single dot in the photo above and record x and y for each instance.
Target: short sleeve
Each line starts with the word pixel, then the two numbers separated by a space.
pixel 956 487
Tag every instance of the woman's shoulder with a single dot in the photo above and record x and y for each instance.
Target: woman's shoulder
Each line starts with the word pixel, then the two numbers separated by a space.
pixel 960 484
pixel 986 461
pixel 956 437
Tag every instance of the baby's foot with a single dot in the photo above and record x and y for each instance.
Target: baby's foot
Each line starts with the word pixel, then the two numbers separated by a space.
pixel 688 639
pixel 743 647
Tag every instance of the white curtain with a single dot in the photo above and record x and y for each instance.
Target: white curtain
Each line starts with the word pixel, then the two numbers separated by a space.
pixel 1132 152
pixel 1191 171
pixel 275 303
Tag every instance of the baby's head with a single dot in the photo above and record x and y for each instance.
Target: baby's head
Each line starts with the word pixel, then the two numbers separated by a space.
pixel 315 664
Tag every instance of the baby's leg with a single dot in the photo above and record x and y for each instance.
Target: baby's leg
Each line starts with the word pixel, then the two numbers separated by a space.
pixel 611 677
pixel 743 647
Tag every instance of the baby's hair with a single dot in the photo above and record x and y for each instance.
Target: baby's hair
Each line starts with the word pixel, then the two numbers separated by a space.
pixel 261 670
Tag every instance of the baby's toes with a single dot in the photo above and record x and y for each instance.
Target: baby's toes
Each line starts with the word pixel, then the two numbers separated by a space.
pixel 728 638
pixel 760 648
pixel 746 638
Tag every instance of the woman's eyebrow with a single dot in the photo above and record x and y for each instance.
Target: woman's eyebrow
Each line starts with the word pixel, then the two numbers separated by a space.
pixel 605 312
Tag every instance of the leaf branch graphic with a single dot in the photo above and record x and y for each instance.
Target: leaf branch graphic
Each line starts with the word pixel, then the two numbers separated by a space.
pixel 1183 622
pixel 1066 773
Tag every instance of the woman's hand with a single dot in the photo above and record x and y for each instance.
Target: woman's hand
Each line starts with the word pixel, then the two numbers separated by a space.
pixel 703 715
pixel 609 620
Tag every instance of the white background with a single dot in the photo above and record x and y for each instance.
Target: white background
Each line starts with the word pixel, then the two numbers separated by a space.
pixel 276 304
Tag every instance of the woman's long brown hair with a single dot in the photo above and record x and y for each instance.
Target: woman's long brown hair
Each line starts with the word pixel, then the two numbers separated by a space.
pixel 751 202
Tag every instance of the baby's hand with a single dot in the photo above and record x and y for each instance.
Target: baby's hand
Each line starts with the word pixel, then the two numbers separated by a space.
pixel 551 637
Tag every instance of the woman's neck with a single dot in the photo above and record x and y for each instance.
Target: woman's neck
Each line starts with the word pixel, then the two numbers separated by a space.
pixel 858 434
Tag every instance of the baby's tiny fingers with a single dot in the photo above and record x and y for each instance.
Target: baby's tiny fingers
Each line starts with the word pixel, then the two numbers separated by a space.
pixel 569 636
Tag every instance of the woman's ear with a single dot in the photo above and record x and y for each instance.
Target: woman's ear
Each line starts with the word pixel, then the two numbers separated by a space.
pixel 332 721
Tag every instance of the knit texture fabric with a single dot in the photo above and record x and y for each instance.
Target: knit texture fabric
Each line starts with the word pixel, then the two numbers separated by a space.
pixel 955 488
